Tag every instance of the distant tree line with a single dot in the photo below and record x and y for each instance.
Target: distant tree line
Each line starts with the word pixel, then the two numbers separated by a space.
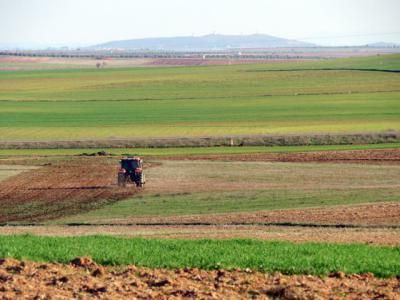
pixel 180 55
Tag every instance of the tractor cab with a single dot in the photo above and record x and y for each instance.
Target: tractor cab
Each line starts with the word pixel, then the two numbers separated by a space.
pixel 131 164
pixel 131 170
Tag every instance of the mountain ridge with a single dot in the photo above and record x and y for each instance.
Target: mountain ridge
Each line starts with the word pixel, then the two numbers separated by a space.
pixel 205 42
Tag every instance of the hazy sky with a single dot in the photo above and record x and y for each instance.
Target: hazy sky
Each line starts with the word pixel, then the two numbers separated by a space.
pixel 85 22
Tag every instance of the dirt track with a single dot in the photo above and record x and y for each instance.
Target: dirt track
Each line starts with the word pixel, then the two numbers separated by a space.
pixel 379 156
pixel 367 214
pixel 83 279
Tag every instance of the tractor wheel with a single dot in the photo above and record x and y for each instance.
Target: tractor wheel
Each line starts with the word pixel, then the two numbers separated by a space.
pixel 121 180
pixel 140 181
pixel 143 180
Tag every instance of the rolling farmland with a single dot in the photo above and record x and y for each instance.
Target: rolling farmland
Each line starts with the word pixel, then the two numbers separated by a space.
pixel 209 219
pixel 289 98
pixel 200 150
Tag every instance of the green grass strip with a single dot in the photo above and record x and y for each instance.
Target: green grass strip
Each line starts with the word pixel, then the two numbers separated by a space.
pixel 266 256
pixel 196 150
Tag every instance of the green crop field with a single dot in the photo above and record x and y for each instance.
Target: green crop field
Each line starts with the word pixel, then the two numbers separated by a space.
pixel 311 97
pixel 308 258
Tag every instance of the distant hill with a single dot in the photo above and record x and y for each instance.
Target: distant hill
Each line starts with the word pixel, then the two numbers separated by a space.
pixel 207 42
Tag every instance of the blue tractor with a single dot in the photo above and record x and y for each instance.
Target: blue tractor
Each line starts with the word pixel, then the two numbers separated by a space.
pixel 131 171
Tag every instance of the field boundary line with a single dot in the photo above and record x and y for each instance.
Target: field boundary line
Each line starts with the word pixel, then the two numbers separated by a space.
pixel 201 98
pixel 391 136
pixel 326 69
pixel 231 224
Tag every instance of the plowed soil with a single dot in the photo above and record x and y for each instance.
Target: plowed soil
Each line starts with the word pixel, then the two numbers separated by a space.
pixel 61 189
pixel 367 214
pixel 298 234
pixel 379 156
pixel 83 279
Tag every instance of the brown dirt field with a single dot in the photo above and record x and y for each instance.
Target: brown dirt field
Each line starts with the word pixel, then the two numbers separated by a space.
pixel 215 61
pixel 378 156
pixel 22 59
pixel 84 279
pixel 370 236
pixel 366 214
pixel 42 193
pixel 38 63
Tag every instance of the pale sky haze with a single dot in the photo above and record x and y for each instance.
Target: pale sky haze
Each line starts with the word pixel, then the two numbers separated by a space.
pixel 88 22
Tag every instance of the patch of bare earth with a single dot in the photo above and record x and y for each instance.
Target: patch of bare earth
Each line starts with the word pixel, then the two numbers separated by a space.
pixel 84 279
pixel 59 189
pixel 366 214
